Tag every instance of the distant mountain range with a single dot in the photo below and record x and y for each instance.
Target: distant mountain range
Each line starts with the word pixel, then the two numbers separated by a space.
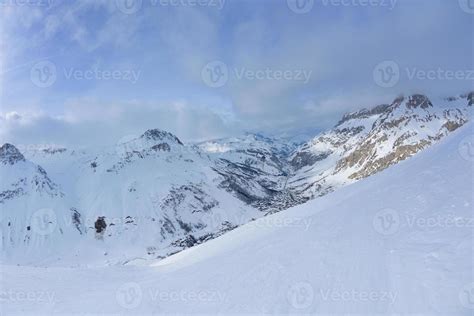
pixel 153 196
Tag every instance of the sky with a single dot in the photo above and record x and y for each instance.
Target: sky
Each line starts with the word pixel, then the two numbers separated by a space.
pixel 93 72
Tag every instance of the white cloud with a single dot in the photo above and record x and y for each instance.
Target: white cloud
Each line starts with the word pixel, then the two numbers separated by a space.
pixel 339 46
pixel 90 122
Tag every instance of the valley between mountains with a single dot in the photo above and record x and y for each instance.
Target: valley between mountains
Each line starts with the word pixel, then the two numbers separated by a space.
pixel 153 196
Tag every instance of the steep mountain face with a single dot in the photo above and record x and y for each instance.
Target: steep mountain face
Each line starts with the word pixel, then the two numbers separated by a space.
pixel 27 196
pixel 254 168
pixel 153 195
pixel 361 144
pixel 21 177
pixel 344 253
pixel 371 140
pixel 144 198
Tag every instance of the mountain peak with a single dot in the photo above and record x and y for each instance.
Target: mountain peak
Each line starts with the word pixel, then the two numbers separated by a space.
pixel 364 113
pixel 157 134
pixel 9 154
pixel 418 100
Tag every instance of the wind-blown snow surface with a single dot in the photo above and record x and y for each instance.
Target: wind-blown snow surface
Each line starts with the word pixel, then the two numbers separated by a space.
pixel 400 241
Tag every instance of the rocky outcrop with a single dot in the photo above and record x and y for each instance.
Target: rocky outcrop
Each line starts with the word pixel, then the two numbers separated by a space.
pixel 10 155
pixel 369 141
pixel 158 135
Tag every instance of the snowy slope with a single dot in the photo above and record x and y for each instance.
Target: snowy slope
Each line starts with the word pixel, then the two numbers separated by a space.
pixel 27 198
pixel 368 141
pixel 157 196
pixel 400 241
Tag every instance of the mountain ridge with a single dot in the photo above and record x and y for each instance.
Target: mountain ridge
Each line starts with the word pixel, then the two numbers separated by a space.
pixel 178 195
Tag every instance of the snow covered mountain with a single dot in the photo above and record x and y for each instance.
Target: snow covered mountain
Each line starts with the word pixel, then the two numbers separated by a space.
pixel 398 242
pixel 368 141
pixel 27 196
pixel 254 168
pixel 152 195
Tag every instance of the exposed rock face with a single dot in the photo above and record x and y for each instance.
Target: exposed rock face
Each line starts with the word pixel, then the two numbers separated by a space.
pixel 10 155
pixel 100 225
pixel 178 196
pixel 304 158
pixel 161 147
pixel 369 141
pixel 254 169
pixel 157 134
pixel 27 179
pixel 364 113
pixel 419 100
pixel 361 144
